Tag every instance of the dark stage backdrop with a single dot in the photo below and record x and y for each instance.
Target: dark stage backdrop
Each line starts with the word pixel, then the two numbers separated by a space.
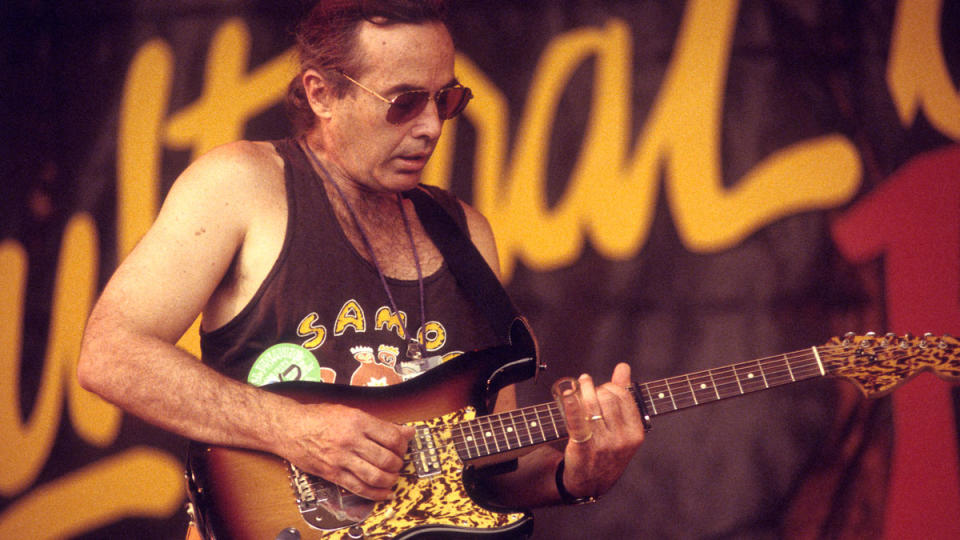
pixel 678 185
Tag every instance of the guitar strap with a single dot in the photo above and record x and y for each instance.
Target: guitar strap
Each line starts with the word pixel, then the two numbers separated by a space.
pixel 467 265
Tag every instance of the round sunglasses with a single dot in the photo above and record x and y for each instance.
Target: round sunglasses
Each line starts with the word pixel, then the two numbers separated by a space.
pixel 408 105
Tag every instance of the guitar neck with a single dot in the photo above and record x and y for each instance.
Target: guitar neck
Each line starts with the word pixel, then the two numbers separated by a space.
pixel 538 424
pixel 701 387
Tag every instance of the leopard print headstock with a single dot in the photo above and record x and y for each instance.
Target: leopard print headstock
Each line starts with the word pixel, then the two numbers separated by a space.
pixel 878 364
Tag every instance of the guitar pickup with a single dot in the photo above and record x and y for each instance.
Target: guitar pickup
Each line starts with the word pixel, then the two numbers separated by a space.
pixel 423 452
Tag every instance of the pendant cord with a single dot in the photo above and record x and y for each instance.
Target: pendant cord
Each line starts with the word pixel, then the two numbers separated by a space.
pixel 369 246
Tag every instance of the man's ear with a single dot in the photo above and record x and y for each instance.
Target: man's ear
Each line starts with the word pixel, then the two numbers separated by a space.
pixel 319 93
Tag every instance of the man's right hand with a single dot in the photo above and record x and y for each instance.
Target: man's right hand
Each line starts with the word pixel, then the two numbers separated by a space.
pixel 348 447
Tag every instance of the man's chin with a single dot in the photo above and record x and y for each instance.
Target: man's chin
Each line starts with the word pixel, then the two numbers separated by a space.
pixel 405 180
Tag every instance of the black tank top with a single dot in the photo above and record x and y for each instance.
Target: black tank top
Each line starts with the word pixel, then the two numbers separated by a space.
pixel 322 313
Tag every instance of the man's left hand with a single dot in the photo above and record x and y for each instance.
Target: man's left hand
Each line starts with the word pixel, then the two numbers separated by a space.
pixel 602 444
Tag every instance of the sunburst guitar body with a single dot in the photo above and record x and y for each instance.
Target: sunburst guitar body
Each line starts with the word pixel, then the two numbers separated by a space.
pixel 242 494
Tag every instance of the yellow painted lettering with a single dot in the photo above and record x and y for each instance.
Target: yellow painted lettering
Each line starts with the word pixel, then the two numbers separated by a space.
pixel 230 95
pixel 433 336
pixel 388 320
pixel 139 482
pixel 146 93
pixel 350 316
pixel 26 446
pixel 917 73
pixel 316 333
pixel 613 188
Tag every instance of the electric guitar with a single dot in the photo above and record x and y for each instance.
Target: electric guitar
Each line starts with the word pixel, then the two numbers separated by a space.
pixel 238 493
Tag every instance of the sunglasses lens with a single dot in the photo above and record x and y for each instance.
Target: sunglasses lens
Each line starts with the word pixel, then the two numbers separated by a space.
pixel 451 101
pixel 406 106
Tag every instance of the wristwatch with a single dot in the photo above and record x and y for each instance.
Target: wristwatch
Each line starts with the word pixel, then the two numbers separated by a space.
pixel 565 496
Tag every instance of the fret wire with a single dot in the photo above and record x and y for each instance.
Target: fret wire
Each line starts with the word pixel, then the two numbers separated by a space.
pixel 554 424
pixel 456 439
pixel 725 381
pixel 464 439
pixel 461 440
pixel 513 429
pixel 816 355
pixel 499 434
pixel 673 395
pixel 473 437
pixel 558 419
pixel 543 424
pixel 540 422
pixel 736 376
pixel 690 384
pixel 506 439
pixel 523 429
pixel 518 430
pixel 526 424
pixel 492 434
pixel 714 383
pixel 787 362
pixel 483 436
pixel 653 405
pixel 543 433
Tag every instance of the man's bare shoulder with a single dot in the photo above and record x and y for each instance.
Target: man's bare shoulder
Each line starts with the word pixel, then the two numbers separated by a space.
pixel 240 165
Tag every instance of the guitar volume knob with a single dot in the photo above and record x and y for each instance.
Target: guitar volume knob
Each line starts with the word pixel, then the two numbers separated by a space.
pixel 288 534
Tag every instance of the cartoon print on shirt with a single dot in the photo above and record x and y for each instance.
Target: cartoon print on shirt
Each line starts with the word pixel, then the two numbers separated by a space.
pixel 371 372
pixel 379 365
pixel 387 355
pixel 288 362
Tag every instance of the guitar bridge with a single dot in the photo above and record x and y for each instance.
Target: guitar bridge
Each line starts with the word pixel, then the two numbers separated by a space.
pixel 324 505
pixel 423 452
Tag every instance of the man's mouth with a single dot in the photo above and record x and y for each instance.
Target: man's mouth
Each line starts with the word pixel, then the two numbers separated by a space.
pixel 414 161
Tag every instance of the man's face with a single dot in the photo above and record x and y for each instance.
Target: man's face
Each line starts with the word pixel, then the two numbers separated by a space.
pixel 373 154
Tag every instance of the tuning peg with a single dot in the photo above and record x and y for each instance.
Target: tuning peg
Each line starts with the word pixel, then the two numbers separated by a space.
pixel 926 340
pixel 848 337
pixel 868 339
pixel 888 339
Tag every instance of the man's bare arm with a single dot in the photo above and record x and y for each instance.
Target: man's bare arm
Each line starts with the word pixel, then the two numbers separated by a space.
pixel 128 356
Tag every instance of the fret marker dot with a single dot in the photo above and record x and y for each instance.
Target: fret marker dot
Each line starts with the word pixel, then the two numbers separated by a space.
pixel 533 424
pixel 469 437
pixel 509 430
pixel 703 386
pixel 487 434
pixel 750 375
pixel 660 395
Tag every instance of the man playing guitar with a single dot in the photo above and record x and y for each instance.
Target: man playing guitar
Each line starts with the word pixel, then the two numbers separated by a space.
pixel 306 243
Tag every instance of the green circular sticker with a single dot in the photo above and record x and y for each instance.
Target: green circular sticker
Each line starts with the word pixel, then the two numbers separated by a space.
pixel 284 362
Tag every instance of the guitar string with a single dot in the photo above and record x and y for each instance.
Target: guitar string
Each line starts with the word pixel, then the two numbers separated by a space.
pixel 779 371
pixel 773 377
pixel 503 439
pixel 498 438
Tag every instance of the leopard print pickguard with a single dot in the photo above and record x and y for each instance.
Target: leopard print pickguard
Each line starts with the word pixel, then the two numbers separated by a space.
pixel 879 364
pixel 439 500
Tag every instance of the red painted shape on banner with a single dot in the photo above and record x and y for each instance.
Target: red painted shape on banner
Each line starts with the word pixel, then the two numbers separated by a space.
pixel 913 221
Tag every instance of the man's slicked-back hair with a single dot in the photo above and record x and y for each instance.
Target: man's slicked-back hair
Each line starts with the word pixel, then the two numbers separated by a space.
pixel 326 42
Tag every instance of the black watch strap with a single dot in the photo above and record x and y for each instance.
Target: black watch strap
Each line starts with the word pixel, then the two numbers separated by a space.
pixel 565 496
